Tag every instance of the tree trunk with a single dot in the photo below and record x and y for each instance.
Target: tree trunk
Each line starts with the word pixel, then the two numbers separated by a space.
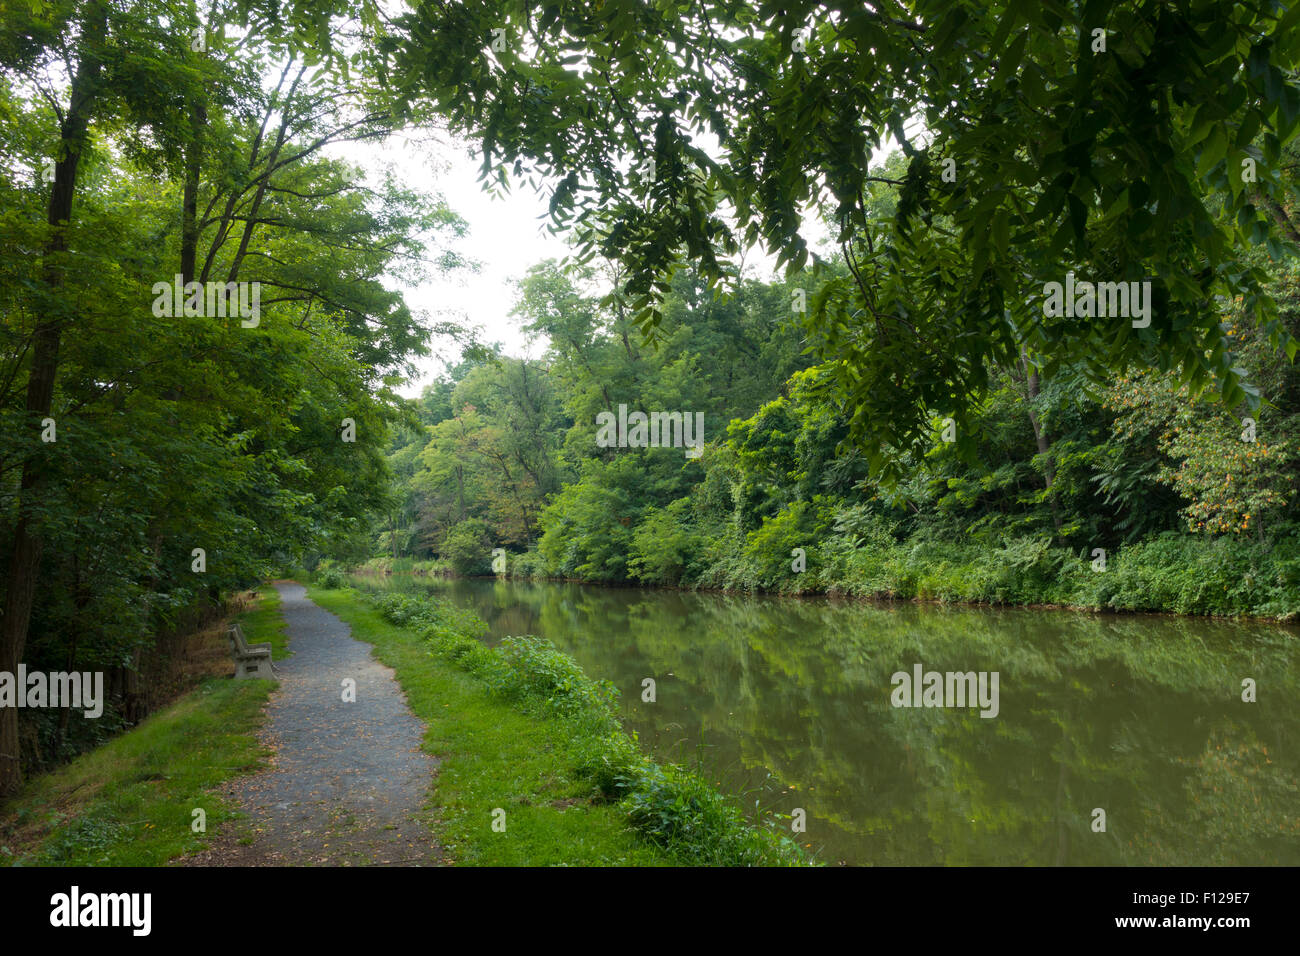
pixel 190 200
pixel 25 559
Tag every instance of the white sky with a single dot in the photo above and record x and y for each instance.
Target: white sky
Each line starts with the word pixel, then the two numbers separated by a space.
pixel 507 235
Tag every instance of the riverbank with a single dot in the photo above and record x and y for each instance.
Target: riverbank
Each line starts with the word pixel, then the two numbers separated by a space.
pixel 1169 574
pixel 436 567
pixel 535 768
pixel 521 729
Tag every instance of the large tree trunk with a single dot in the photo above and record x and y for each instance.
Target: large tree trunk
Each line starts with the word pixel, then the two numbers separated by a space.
pixel 193 167
pixel 25 559
pixel 190 199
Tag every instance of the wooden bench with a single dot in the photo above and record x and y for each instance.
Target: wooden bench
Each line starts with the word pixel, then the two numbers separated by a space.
pixel 251 660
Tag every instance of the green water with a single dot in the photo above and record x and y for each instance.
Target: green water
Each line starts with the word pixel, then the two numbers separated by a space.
pixel 787 704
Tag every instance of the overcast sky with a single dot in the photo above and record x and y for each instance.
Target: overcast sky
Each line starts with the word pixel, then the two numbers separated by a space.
pixel 506 236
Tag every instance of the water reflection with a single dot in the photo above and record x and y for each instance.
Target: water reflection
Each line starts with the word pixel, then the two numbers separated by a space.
pixel 787 702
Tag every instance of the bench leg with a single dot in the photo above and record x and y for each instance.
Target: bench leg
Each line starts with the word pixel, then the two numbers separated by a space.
pixel 254 667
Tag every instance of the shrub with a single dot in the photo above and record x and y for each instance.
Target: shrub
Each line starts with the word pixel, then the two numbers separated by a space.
pixel 538 673
pixel 683 814
pixel 666 549
pixel 530 566
pixel 427 615
pixel 467 548
pixel 611 761
pixel 769 549
pixel 1192 575
pixel 331 578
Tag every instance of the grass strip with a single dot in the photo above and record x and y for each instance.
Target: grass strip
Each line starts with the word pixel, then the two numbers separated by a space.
pixel 521 728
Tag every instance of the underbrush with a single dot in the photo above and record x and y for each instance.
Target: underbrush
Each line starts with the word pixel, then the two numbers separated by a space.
pixel 796 553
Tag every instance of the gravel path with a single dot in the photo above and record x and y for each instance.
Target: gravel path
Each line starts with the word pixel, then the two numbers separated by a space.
pixel 348 782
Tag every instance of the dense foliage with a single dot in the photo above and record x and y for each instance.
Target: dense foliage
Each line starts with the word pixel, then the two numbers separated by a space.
pixel 900 415
pixel 1126 141
pixel 155 459
pixel 1193 503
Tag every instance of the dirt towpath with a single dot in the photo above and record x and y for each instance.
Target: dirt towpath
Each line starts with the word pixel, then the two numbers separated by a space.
pixel 348 782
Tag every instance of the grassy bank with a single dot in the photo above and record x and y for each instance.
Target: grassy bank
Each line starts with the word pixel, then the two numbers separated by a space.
pixel 520 728
pixel 263 622
pixel 131 801
pixel 1169 573
pixel 406 565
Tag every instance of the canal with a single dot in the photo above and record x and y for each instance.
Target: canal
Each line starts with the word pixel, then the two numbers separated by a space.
pixel 1132 723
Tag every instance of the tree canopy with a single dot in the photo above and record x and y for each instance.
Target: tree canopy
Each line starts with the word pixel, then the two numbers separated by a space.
pixel 155 455
pixel 1119 141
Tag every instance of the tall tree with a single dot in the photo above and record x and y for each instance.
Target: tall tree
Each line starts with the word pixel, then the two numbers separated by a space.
pixel 1122 142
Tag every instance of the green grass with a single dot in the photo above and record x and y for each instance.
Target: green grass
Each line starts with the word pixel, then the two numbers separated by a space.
pixel 264 622
pixel 130 802
pixel 494 756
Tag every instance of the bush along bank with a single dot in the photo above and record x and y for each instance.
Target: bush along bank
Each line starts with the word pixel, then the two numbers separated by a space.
pixel 438 567
pixel 668 805
pixel 1169 573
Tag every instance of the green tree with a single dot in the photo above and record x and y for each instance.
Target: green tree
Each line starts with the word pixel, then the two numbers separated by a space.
pixel 194 453
pixel 1115 141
